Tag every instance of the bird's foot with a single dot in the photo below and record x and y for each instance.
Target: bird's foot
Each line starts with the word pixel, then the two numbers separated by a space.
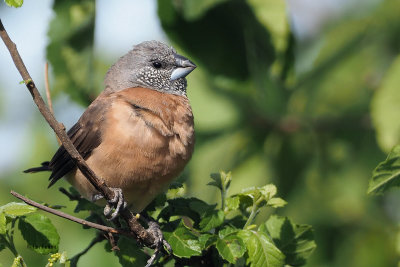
pixel 114 206
pixel 159 242
pixel 118 203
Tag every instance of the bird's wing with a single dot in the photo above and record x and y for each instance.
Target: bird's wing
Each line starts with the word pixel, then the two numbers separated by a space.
pixel 85 135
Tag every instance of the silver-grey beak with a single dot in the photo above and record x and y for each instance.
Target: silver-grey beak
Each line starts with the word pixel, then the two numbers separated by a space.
pixel 183 67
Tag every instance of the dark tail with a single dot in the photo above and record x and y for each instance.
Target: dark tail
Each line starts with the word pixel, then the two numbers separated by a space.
pixel 44 167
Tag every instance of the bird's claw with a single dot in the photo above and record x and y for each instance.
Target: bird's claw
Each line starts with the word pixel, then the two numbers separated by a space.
pixel 159 242
pixel 113 207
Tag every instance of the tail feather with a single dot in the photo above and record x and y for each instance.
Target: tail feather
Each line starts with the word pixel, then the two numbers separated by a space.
pixel 45 167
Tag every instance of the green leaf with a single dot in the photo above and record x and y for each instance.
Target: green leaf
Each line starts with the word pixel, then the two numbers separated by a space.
pixel 206 240
pixel 221 180
pixel 86 205
pixel 385 108
pixel 181 207
pixel 231 25
pixel 387 174
pixel 296 241
pixel 259 195
pixel 247 197
pixel 196 209
pixel 217 182
pixel 232 203
pixel 129 253
pixel 261 249
pixel 183 242
pixel 70 50
pixel 39 233
pixel 273 14
pixel 211 219
pixel 3 223
pixel 268 191
pixel 227 230
pixel 231 248
pixel 14 3
pixel 175 190
pixel 159 201
pixel 15 209
pixel 195 9
pixel 276 202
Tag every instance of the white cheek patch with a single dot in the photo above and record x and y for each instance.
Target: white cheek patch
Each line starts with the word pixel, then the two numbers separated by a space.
pixel 180 73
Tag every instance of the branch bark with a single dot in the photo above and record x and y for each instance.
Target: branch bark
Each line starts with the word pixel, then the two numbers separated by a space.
pixel 136 228
pixel 70 217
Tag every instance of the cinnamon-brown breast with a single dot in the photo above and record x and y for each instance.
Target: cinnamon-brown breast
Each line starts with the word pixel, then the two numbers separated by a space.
pixel 147 139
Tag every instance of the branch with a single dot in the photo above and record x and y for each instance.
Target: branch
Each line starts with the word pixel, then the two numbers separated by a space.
pixel 47 86
pixel 48 95
pixel 97 182
pixel 70 217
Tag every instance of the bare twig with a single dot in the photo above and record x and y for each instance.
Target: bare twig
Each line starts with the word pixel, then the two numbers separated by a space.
pixel 69 217
pixel 47 86
pixel 99 184
pixel 75 259
pixel 48 94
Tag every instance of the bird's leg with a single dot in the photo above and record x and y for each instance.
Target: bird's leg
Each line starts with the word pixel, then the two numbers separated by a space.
pixel 117 203
pixel 159 241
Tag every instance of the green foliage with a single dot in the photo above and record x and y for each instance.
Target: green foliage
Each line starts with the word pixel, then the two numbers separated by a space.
pixel 14 3
pixel 221 21
pixel 3 223
pixel 184 242
pixel 39 233
pixel 37 230
pixel 230 230
pixel 291 112
pixel 385 108
pixel 261 249
pixel 70 51
pixel 230 247
pixel 296 241
pixel 15 209
pixel 201 232
pixel 387 174
pixel 297 115
pixel 129 253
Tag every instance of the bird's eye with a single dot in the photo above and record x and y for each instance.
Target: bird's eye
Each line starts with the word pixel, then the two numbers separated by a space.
pixel 157 64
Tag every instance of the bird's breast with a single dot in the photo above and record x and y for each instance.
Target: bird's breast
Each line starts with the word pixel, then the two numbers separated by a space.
pixel 147 140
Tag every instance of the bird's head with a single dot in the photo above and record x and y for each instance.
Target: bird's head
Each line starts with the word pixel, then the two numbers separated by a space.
pixel 153 65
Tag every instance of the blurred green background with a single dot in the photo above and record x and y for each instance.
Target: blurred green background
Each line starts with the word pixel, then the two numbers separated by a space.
pixel 312 110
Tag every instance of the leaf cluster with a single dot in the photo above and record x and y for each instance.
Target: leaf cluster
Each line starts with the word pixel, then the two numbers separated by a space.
pixel 201 233
pixel 36 229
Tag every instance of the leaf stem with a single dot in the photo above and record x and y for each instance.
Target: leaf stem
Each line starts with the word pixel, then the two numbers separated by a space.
pixel 223 196
pixel 253 213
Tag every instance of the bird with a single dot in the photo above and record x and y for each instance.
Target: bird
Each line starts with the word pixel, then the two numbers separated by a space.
pixel 138 134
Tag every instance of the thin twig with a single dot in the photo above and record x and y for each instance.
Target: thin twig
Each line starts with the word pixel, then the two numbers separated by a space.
pixel 69 217
pixel 47 86
pixel 98 183
pixel 75 259
pixel 48 94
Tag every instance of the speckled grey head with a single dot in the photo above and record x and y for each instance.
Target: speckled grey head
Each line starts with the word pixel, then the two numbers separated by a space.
pixel 153 65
